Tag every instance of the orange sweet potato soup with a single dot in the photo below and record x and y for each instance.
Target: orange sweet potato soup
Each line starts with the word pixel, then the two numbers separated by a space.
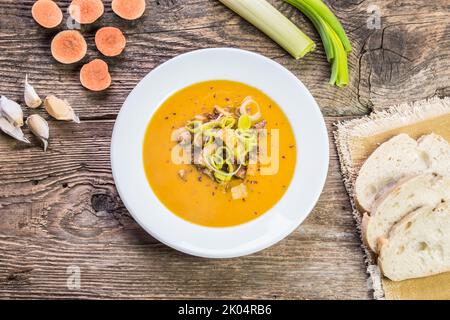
pixel 223 185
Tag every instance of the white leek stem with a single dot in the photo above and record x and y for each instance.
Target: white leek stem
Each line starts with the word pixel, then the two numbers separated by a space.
pixel 269 20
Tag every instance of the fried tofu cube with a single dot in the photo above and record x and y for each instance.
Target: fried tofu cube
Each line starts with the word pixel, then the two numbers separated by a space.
pixel 239 192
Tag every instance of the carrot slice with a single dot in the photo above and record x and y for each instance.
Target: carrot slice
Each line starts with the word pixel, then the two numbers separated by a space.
pixel 47 13
pixel 86 11
pixel 128 9
pixel 69 46
pixel 95 75
pixel 110 41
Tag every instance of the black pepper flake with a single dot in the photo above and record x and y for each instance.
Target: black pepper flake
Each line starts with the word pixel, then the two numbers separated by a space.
pixel 213 193
pixel 200 178
pixel 227 99
pixel 284 157
pixel 243 199
pixel 174 113
pixel 283 186
pixel 291 146
pixel 166 118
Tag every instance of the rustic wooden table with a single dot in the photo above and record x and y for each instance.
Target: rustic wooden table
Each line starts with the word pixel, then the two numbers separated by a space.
pixel 61 209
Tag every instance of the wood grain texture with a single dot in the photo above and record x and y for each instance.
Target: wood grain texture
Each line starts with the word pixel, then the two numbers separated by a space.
pixel 61 208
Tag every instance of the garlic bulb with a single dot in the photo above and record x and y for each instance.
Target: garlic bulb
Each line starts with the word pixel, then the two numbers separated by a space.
pixel 11 111
pixel 11 130
pixel 40 128
pixel 32 99
pixel 60 109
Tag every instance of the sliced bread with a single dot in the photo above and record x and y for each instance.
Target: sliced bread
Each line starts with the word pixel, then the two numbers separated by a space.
pixel 404 197
pixel 400 157
pixel 418 245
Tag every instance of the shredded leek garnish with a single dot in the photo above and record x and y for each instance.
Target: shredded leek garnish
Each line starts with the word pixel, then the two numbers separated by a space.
pixel 198 139
pixel 194 126
pixel 244 122
pixel 226 141
pixel 209 125
pixel 244 109
pixel 269 20
pixel 227 122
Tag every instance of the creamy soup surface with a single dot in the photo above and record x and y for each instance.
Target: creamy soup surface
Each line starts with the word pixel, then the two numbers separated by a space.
pixel 196 197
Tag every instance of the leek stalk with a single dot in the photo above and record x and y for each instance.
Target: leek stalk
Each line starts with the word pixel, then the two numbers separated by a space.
pixel 326 14
pixel 319 24
pixel 269 20
pixel 335 41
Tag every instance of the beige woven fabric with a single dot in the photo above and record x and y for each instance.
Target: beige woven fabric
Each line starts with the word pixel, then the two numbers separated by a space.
pixel 355 141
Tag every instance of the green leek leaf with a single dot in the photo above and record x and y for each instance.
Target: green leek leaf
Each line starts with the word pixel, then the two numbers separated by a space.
pixel 326 14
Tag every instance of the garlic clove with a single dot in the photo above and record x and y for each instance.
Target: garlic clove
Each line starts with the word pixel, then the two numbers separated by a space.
pixel 32 99
pixel 40 128
pixel 11 111
pixel 11 130
pixel 60 109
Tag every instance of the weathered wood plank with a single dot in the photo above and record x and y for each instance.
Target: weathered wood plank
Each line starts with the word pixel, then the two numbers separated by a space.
pixel 60 208
pixel 397 62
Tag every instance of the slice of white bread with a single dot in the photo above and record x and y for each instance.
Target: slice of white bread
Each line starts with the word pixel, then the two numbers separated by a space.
pixel 397 158
pixel 404 197
pixel 418 245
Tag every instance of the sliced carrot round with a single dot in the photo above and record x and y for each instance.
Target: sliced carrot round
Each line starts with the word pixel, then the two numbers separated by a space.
pixel 86 11
pixel 46 13
pixel 128 9
pixel 110 41
pixel 69 46
pixel 95 75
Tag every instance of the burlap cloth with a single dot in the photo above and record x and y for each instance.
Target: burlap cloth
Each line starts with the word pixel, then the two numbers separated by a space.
pixel 355 141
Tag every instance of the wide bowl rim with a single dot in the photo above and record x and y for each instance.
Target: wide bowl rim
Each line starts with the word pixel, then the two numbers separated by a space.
pixel 321 144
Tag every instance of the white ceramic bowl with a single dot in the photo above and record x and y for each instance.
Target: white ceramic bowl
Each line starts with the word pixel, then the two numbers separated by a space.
pixel 225 64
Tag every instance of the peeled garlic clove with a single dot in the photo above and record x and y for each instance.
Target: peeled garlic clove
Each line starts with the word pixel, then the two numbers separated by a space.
pixel 40 128
pixel 11 130
pixel 60 109
pixel 32 99
pixel 11 111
